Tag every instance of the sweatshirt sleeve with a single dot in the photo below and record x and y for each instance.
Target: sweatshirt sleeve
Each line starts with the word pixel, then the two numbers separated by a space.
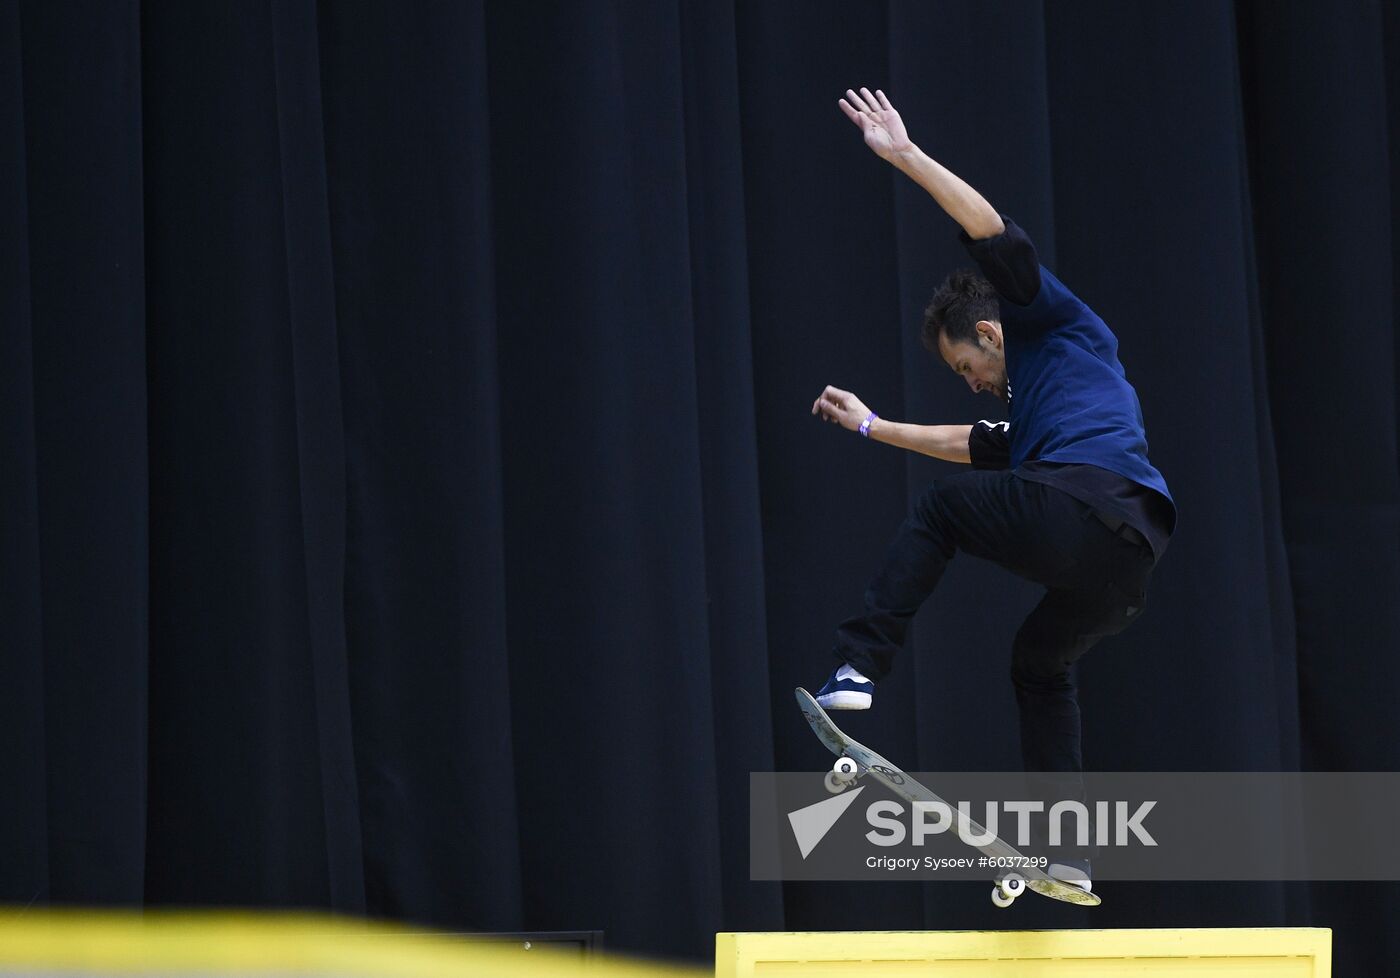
pixel 989 445
pixel 1009 261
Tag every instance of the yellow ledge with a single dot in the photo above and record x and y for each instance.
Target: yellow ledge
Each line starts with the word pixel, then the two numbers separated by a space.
pixel 1228 952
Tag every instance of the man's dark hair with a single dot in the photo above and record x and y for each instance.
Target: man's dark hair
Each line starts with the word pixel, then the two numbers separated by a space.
pixel 961 302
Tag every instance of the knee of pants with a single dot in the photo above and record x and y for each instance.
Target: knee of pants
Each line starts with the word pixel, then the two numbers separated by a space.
pixel 1120 610
pixel 930 508
pixel 1039 669
pixel 933 496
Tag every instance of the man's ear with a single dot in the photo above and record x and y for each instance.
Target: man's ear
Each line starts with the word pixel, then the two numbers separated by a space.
pixel 991 332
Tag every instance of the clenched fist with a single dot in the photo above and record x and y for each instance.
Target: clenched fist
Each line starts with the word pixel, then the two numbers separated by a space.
pixel 840 406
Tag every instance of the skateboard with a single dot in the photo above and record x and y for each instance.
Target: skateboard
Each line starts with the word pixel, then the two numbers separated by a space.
pixel 855 760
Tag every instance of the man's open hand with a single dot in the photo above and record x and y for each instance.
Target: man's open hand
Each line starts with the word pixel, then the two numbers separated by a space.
pixel 840 406
pixel 877 119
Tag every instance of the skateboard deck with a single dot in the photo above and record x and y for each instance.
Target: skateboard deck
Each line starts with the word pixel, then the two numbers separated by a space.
pixel 869 762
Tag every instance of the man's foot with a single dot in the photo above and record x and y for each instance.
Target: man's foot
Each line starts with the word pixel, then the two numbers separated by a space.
pixel 846 689
pixel 1075 872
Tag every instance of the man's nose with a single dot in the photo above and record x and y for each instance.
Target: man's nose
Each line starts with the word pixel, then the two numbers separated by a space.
pixel 974 384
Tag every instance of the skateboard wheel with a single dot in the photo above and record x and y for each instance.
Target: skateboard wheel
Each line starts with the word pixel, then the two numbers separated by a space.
pixel 845 768
pixel 835 783
pixel 1001 899
pixel 1011 886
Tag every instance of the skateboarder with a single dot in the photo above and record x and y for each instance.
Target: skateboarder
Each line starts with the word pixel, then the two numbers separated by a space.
pixel 1062 494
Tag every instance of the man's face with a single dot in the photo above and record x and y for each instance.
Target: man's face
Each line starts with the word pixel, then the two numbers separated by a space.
pixel 981 364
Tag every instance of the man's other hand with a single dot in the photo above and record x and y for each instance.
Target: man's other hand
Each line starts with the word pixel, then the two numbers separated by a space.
pixel 842 407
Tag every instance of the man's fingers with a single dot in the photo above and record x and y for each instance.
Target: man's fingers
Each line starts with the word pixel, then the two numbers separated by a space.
pixel 870 100
pixel 851 113
pixel 884 102
pixel 857 101
pixel 832 404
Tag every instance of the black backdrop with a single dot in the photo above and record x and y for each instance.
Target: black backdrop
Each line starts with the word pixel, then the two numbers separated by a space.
pixel 409 503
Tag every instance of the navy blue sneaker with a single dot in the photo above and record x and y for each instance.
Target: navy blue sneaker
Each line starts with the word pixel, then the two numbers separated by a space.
pixel 846 689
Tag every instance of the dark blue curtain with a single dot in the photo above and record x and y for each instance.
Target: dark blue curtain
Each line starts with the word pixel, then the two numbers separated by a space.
pixel 408 500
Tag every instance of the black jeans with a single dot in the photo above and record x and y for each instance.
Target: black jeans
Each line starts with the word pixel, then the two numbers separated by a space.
pixel 1095 580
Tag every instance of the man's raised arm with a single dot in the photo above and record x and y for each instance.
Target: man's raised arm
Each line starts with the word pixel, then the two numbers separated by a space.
pixel 885 135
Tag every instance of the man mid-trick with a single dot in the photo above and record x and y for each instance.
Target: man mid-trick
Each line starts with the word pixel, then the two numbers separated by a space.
pixel 1062 494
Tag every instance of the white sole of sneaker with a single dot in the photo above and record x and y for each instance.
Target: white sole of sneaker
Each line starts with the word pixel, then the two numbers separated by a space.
pixel 844 699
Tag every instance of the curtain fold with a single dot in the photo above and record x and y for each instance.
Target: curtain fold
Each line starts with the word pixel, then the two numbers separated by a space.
pixel 727 438
pixel 1321 96
pixel 24 869
pixel 319 428
pixel 408 153
pixel 82 213
pixel 248 793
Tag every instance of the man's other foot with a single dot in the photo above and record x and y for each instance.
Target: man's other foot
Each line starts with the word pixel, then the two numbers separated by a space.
pixel 846 689
pixel 1075 872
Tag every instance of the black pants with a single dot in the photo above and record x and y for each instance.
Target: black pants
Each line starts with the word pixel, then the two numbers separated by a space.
pixel 1095 580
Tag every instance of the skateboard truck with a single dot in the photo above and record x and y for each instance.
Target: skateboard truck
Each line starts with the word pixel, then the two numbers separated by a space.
pixel 842 775
pixel 1007 889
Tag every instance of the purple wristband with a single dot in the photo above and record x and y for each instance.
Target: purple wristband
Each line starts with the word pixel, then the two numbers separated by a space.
pixel 865 425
